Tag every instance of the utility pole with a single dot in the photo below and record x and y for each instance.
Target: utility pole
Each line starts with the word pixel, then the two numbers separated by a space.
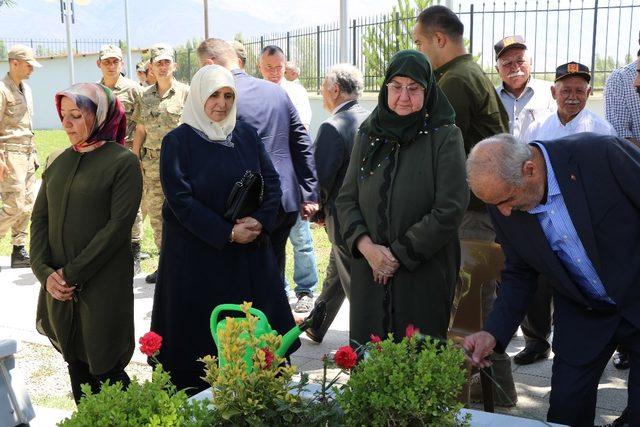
pixel 206 19
pixel 344 32
pixel 66 14
pixel 130 68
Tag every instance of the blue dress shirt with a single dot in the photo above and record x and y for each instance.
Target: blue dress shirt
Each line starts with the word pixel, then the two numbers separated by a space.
pixel 564 240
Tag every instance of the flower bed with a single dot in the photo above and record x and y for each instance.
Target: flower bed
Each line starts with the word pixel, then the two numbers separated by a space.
pixel 412 381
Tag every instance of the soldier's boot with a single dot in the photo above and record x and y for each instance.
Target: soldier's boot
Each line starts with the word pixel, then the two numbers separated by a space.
pixel 152 277
pixel 135 249
pixel 19 257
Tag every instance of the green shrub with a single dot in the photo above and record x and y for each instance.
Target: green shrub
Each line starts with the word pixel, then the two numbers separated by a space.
pixel 413 382
pixel 153 403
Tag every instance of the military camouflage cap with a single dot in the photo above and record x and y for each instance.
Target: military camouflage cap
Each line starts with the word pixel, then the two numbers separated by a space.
pixel 161 51
pixel 23 53
pixel 110 51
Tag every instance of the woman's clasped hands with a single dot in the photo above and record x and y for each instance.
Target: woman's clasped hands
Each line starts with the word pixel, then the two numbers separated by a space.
pixel 246 230
pixel 380 259
pixel 57 286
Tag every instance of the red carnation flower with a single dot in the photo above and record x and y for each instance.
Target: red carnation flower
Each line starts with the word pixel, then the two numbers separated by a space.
pixel 411 331
pixel 345 357
pixel 268 357
pixel 150 343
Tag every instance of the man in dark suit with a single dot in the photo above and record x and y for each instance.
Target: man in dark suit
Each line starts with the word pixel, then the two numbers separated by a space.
pixel 341 88
pixel 568 209
pixel 266 107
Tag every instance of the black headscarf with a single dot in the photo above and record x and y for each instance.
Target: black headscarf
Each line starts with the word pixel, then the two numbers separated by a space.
pixel 387 126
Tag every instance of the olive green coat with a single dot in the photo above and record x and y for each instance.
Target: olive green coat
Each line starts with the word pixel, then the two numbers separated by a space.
pixel 82 222
pixel 412 202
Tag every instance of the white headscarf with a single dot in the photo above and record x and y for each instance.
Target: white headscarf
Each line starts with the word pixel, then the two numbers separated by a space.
pixel 206 81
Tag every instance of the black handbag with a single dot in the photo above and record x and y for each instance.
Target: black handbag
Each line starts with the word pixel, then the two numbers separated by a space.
pixel 245 197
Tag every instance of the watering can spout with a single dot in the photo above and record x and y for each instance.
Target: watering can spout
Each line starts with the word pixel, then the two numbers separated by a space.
pixel 314 321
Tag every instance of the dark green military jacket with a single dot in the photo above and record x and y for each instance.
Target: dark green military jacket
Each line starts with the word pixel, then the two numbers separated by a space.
pixel 81 222
pixel 412 202
pixel 479 111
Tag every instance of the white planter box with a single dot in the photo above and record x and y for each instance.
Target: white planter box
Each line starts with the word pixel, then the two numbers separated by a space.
pixel 478 418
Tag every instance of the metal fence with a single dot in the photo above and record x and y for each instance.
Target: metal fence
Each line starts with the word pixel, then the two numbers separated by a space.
pixel 56 47
pixel 598 33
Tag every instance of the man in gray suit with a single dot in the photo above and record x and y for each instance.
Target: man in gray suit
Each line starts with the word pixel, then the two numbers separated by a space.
pixel 342 86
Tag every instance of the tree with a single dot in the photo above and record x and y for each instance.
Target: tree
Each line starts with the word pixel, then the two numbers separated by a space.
pixel 7 3
pixel 391 34
pixel 187 60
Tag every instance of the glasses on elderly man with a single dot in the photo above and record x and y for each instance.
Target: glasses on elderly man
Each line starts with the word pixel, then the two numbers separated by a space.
pixel 412 88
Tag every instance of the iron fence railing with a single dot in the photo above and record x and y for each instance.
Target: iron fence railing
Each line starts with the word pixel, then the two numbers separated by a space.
pixel 597 33
pixel 55 47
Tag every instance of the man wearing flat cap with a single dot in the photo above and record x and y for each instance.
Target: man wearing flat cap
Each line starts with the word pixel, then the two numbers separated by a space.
pixel 160 111
pixel 571 90
pixel 525 98
pixel 110 62
pixel 18 157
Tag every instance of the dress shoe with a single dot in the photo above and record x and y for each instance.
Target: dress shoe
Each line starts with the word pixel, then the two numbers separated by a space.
pixel 621 360
pixel 152 278
pixel 621 421
pixel 530 355
pixel 19 258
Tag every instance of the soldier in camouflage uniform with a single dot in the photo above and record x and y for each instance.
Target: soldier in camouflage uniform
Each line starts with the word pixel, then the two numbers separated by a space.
pixel 128 92
pixel 160 111
pixel 18 157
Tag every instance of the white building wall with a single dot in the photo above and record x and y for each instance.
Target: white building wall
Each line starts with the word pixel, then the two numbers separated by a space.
pixel 54 77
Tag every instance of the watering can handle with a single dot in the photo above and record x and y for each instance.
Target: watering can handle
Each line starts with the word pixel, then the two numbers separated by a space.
pixel 231 307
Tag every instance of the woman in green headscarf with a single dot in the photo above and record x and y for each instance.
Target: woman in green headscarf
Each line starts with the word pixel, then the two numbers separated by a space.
pixel 400 206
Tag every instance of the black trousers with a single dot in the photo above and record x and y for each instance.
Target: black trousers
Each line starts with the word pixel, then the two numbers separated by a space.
pixel 79 374
pixel 284 222
pixel 574 389
pixel 536 327
pixel 336 286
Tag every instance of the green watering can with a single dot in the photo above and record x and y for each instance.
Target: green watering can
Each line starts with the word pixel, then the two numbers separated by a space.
pixel 314 320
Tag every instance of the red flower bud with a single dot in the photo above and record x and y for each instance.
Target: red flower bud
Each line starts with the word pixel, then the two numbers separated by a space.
pixel 345 357
pixel 150 343
pixel 411 330
pixel 375 339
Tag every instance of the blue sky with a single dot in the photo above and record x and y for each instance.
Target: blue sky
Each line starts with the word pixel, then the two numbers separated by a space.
pixel 176 21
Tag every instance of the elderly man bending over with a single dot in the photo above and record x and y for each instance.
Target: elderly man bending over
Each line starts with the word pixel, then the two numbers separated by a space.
pixel 568 209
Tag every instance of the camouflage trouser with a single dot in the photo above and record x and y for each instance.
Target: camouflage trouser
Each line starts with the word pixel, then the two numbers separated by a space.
pixel 137 230
pixel 18 194
pixel 153 196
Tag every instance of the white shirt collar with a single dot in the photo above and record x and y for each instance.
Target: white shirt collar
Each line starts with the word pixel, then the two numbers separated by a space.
pixel 335 110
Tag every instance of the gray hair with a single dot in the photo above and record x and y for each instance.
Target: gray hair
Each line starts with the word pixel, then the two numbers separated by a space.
pixel 501 155
pixel 219 51
pixel 348 78
pixel 290 65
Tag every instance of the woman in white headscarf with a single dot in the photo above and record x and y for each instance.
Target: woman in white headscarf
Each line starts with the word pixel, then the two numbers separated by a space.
pixel 206 260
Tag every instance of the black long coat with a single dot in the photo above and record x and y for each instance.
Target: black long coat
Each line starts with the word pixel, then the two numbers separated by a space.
pixel 199 269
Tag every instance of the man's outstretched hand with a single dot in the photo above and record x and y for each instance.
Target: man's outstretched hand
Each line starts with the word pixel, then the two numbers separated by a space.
pixel 478 347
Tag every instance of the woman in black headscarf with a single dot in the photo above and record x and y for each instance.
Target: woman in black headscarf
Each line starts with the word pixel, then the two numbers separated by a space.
pixel 400 206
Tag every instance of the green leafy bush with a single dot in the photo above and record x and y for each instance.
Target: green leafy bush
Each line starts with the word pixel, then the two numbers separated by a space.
pixel 154 403
pixel 413 382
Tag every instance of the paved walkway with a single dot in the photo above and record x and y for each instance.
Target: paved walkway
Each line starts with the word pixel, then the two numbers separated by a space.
pixel 17 312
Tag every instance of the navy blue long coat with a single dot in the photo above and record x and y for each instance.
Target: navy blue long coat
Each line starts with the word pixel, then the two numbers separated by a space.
pixel 198 267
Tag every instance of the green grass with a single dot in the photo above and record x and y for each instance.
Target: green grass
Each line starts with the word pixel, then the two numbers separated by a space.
pixel 48 141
